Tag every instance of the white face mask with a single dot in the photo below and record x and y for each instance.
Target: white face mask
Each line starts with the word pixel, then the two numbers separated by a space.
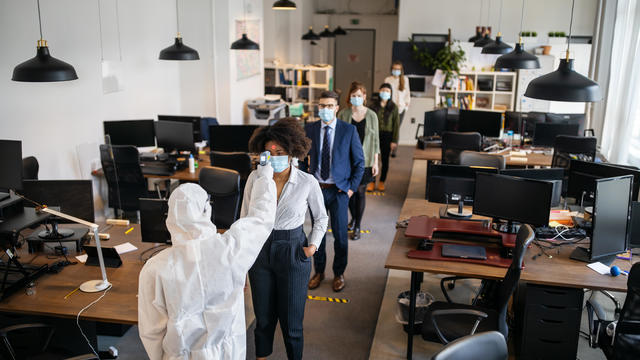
pixel 396 72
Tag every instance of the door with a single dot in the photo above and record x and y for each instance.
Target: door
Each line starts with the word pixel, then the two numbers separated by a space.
pixel 354 60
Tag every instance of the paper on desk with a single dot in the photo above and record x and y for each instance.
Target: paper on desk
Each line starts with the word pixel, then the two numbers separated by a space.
pixel 82 258
pixel 125 248
pixel 600 268
pixel 518 153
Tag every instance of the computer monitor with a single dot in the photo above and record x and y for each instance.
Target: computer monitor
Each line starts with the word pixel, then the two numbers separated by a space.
pixel 634 225
pixel 138 133
pixel 513 199
pixel 553 175
pixel 153 217
pixel 230 138
pixel 10 167
pixel 545 133
pixel 582 176
pixel 175 136
pixel 194 120
pixel 611 212
pixel 567 119
pixel 487 123
pixel 435 122
pixel 515 121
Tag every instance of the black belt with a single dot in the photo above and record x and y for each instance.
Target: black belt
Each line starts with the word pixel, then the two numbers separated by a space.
pixel 327 186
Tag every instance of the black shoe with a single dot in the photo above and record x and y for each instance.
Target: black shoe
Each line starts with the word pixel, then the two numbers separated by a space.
pixel 356 234
pixel 351 225
pixel 393 153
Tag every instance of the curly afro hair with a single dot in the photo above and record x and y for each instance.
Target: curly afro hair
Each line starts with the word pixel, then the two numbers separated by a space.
pixel 287 132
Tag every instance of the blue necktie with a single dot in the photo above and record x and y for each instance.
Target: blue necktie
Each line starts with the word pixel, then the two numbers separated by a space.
pixel 325 167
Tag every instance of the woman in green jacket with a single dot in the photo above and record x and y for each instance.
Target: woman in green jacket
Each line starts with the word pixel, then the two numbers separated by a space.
pixel 366 122
pixel 389 125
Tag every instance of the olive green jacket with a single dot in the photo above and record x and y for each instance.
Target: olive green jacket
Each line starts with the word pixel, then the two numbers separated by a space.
pixel 371 143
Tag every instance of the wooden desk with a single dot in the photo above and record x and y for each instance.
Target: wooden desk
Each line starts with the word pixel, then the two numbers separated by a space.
pixel 184 174
pixel 532 159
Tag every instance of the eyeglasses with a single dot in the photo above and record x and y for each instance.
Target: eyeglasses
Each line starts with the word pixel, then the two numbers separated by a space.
pixel 326 106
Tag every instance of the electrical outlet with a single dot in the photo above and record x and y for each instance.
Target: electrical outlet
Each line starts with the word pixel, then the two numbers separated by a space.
pixel 413 120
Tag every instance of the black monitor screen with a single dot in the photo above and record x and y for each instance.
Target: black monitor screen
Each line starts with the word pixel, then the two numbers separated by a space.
pixel 229 138
pixel 514 121
pixel 194 120
pixel 545 133
pixel 536 174
pixel 446 180
pixel 611 216
pixel 435 122
pixel 583 174
pixel 10 165
pixel 417 84
pixel 487 123
pixel 73 197
pixel 131 132
pixel 153 217
pixel 174 135
pixel 634 226
pixel 567 119
pixel 511 198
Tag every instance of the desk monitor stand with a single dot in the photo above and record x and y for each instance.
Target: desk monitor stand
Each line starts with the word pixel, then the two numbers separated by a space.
pixel 508 227
pixel 458 212
pixel 584 255
pixel 55 233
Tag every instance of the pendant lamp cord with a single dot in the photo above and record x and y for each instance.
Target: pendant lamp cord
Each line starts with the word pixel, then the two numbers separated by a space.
pixel 489 14
pixel 40 20
pixel 177 18
pixel 521 21
pixel 573 3
pixel 481 8
pixel 500 20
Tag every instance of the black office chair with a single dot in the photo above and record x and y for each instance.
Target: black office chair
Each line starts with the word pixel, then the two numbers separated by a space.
pixel 625 342
pixel 566 147
pixel 30 168
pixel 446 321
pixel 224 187
pixel 130 183
pixel 453 143
pixel 489 345
pixel 31 341
pixel 475 158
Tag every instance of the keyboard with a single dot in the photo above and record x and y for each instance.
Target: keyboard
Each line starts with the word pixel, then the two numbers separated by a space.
pixel 157 168
pixel 546 232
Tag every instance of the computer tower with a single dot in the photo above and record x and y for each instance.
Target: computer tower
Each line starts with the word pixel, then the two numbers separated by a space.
pixel 634 230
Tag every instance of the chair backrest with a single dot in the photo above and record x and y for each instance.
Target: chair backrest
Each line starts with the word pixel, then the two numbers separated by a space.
pixel 224 187
pixel 131 184
pixel 490 345
pixel 238 161
pixel 475 158
pixel 453 143
pixel 25 340
pixel 627 340
pixel 30 168
pixel 566 147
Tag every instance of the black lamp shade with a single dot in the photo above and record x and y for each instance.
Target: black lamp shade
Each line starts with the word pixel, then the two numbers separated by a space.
pixel 326 33
pixel 564 84
pixel 517 59
pixel 284 5
pixel 310 35
pixel 244 43
pixel 179 51
pixel 43 68
pixel 339 31
pixel 475 38
pixel 484 41
pixel 496 47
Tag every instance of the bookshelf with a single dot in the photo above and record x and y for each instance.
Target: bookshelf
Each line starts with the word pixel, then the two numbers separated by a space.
pixel 299 83
pixel 476 90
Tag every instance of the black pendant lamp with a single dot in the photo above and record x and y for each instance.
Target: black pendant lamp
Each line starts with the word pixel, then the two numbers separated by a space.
pixel 339 31
pixel 283 5
pixel 486 38
pixel 244 43
pixel 326 33
pixel 497 46
pixel 178 51
pixel 518 58
pixel 43 67
pixel 310 35
pixel 478 34
pixel 564 84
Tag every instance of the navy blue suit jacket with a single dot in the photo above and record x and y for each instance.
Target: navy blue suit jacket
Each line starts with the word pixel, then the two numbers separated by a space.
pixel 347 157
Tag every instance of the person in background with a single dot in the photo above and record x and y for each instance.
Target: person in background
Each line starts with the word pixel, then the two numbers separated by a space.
pixel 366 122
pixel 401 94
pixel 337 161
pixel 280 275
pixel 389 126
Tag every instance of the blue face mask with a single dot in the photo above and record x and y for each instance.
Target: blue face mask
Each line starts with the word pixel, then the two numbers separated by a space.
pixel 396 72
pixel 357 101
pixel 279 163
pixel 326 115
pixel 385 95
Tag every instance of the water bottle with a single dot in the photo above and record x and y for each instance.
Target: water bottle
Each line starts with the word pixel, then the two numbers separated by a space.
pixel 192 164
pixel 510 138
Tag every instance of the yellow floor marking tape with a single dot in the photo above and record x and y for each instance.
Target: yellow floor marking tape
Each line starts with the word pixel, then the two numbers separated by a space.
pixel 375 193
pixel 351 231
pixel 329 299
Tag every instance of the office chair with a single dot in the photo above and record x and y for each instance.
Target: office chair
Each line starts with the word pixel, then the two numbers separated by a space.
pixel 224 187
pixel 238 161
pixel 474 158
pixel 447 321
pixel 622 341
pixel 489 345
pixel 31 341
pixel 30 168
pixel 453 143
pixel 567 147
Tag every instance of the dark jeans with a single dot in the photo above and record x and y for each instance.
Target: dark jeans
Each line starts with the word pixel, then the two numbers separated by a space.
pixel 337 204
pixel 358 199
pixel 385 152
pixel 279 280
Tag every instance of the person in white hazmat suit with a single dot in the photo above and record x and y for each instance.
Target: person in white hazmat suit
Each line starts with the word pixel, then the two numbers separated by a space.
pixel 191 296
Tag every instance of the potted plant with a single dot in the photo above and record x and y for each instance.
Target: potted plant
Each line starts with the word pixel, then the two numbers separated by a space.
pixel 557 37
pixel 448 60
pixel 529 37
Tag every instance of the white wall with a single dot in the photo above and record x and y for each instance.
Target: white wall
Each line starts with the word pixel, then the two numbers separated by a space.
pixel 462 16
pixel 283 30
pixel 355 6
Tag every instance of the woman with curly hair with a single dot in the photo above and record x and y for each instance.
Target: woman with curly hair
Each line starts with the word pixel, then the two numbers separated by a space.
pixel 280 275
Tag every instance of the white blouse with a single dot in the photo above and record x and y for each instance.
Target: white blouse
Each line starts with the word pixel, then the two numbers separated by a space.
pixel 301 192
pixel 401 98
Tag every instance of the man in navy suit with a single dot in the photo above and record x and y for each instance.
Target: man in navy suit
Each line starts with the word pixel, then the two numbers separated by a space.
pixel 336 159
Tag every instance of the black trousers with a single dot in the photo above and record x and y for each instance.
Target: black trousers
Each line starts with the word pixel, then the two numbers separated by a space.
pixel 357 201
pixel 279 280
pixel 385 152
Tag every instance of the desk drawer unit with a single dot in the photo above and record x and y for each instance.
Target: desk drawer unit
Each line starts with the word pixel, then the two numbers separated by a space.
pixel 548 322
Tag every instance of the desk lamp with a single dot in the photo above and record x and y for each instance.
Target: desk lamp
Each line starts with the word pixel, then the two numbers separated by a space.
pixel 458 212
pixel 90 286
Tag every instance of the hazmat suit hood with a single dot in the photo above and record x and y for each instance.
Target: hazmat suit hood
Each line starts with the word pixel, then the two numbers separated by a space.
pixel 189 216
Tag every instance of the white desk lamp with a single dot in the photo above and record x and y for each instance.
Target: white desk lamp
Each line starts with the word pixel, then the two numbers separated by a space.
pixel 90 286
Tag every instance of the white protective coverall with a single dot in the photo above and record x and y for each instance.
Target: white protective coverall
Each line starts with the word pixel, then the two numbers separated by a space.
pixel 191 296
